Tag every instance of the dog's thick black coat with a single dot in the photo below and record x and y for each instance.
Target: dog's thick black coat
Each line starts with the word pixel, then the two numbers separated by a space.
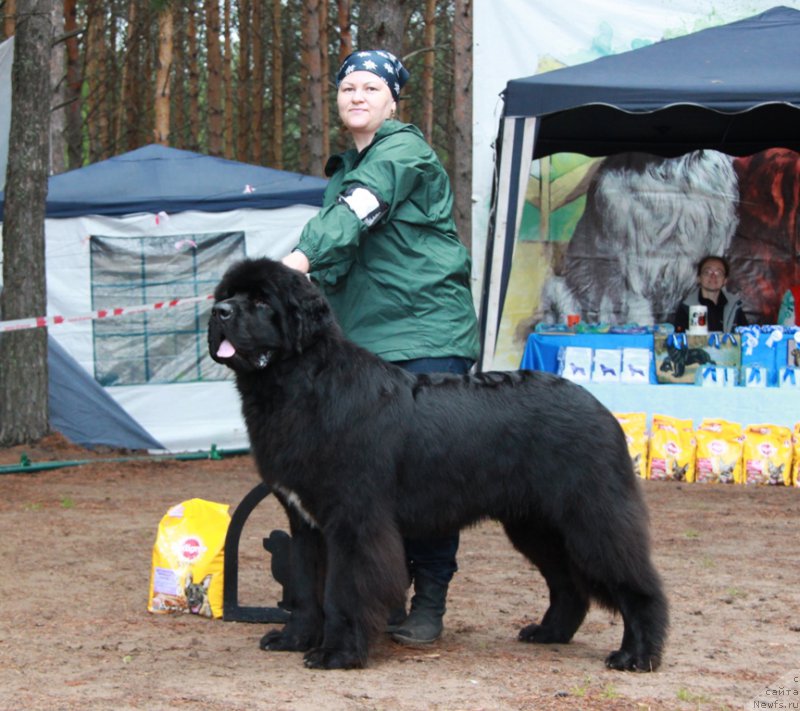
pixel 362 453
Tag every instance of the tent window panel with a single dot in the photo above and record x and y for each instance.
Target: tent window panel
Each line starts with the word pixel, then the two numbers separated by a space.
pixel 119 360
pixel 159 345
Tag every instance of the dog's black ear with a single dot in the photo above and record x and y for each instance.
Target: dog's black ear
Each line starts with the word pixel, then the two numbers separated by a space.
pixel 309 316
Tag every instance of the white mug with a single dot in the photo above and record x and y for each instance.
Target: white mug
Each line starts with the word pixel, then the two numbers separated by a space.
pixel 698 320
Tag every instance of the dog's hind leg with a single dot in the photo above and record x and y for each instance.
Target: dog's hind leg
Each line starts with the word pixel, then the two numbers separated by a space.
pixel 568 602
pixel 645 616
pixel 614 561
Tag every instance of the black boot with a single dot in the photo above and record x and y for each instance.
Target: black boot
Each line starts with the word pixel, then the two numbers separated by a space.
pixel 424 623
pixel 397 617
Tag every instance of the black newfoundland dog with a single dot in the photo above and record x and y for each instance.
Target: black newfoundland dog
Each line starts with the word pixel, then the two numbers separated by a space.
pixel 361 453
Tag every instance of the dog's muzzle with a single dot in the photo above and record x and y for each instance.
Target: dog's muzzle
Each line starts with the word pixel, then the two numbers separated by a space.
pixel 223 313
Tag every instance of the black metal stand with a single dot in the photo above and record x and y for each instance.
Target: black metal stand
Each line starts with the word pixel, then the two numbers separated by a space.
pixel 277 544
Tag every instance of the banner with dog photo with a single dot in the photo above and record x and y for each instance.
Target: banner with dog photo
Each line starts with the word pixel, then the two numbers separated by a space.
pixel 617 239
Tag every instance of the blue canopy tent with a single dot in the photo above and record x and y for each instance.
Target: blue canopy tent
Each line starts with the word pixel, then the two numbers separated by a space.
pixel 160 179
pixel 188 206
pixel 734 88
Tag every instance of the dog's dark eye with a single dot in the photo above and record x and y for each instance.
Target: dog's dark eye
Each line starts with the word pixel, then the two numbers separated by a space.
pixel 260 302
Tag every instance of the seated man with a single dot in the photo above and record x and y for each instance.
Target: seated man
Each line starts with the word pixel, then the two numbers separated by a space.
pixel 724 308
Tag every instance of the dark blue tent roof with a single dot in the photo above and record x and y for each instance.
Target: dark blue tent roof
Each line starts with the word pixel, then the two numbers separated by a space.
pixel 733 88
pixel 156 179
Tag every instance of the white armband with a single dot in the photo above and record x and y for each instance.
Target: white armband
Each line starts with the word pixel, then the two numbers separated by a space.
pixel 366 206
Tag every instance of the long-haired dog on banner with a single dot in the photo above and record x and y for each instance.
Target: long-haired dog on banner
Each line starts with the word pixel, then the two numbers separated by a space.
pixel 362 453
pixel 647 223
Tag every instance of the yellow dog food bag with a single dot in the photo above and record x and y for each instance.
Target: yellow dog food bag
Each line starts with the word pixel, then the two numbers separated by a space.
pixel 719 452
pixel 796 461
pixel 634 425
pixel 767 455
pixel 672 449
pixel 188 559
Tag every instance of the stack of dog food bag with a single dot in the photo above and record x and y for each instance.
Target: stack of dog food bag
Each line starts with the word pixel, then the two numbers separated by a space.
pixel 715 452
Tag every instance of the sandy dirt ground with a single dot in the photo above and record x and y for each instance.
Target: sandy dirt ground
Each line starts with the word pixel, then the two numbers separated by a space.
pixel 75 634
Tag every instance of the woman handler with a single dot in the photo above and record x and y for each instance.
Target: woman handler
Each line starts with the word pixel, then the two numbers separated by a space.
pixel 385 251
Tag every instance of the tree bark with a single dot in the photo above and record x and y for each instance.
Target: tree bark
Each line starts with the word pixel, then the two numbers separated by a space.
pixel 193 70
pixel 461 149
pixel 345 49
pixel 214 97
pixel 74 120
pixel 313 67
pixel 24 415
pixel 229 134
pixel 278 103
pixel 163 76
pixel 9 18
pixel 243 90
pixel 177 114
pixel 58 120
pixel 428 64
pixel 124 131
pixel 325 73
pixel 345 30
pixel 258 85
pixel 381 25
pixel 96 116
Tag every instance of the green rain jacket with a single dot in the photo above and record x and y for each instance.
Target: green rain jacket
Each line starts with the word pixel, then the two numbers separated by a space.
pixel 397 279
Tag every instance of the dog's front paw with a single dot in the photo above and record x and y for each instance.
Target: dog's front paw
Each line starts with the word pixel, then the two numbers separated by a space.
pixel 322 658
pixel 622 660
pixel 285 641
pixel 542 634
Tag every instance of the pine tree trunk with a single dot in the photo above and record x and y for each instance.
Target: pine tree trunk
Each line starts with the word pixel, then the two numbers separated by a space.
pixel 23 354
pixel 9 18
pixel 345 49
pixel 178 128
pixel 58 117
pixel 345 30
pixel 163 74
pixel 214 98
pixel 126 115
pixel 193 69
pixel 426 125
pixel 74 121
pixel 243 90
pixel 313 67
pixel 381 25
pixel 259 87
pixel 462 119
pixel 95 73
pixel 229 133
pixel 325 73
pixel 278 104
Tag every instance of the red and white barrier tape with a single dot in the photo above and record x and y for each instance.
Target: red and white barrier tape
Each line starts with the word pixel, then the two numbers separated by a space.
pixel 21 324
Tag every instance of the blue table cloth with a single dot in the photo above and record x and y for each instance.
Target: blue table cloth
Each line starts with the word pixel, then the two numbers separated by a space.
pixel 744 405
pixel 541 349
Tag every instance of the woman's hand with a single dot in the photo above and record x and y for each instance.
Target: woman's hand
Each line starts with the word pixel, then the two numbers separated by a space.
pixel 298 261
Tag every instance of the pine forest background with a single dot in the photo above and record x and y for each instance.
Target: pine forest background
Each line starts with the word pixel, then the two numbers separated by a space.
pixel 249 80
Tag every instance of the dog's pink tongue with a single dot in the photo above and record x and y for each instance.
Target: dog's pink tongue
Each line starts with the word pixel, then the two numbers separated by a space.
pixel 226 349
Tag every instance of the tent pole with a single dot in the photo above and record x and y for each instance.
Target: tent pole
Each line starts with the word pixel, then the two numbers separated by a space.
pixel 517 137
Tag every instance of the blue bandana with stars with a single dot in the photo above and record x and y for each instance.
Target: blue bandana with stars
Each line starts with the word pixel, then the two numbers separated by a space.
pixel 379 62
